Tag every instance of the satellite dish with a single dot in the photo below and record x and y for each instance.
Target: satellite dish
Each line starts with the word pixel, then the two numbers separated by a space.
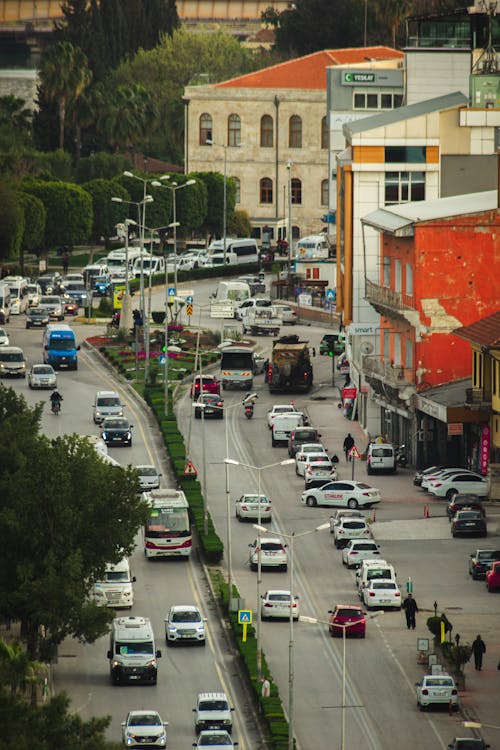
pixel 366 347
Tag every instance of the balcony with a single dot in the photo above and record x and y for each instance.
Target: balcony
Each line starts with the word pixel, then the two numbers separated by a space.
pixel 388 301
pixel 397 376
pixel 478 398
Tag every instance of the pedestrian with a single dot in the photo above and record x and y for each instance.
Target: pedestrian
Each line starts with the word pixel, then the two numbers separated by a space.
pixel 266 687
pixel 478 649
pixel 411 608
pixel 348 444
pixel 65 263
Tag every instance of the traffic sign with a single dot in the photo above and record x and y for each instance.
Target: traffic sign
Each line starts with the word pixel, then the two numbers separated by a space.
pixel 244 617
pixel 330 295
pixel 189 299
pixel 189 470
pixel 354 453
pixel 189 309
pixel 171 291
pixel 162 360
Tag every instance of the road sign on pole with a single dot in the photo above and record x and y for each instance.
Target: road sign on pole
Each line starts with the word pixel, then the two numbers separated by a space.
pixel 330 295
pixel 245 619
pixel 189 310
pixel 189 299
pixel 172 291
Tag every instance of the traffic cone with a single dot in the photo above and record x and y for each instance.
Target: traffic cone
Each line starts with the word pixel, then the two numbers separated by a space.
pixel 374 516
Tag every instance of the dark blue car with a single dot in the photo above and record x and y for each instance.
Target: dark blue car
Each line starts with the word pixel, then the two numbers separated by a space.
pixel 101 285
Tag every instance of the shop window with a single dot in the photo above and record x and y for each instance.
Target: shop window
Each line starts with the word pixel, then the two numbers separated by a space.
pixel 324 192
pixel 205 129
pixel 405 154
pixel 295 132
pixel 402 187
pixel 266 131
pixel 324 133
pixel 296 191
pixel 266 190
pixel 233 130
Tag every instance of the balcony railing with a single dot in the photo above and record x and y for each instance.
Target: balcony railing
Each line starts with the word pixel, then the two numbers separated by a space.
pixel 382 295
pixel 384 369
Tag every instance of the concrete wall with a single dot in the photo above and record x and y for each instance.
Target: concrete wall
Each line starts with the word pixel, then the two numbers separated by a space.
pixel 467 174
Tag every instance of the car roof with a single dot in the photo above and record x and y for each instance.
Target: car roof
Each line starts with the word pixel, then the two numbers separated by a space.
pixel 278 591
pixel 104 394
pixel 143 712
pixel 184 607
pixel 273 539
pixel 212 696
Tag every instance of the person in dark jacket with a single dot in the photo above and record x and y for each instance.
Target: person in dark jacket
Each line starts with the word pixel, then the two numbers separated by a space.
pixel 348 444
pixel 411 608
pixel 478 649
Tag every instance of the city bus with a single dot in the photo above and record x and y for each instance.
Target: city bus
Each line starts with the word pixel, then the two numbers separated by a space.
pixel 167 532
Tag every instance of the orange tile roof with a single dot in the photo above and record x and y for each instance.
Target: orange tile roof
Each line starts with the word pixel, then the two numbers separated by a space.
pixel 485 332
pixel 308 72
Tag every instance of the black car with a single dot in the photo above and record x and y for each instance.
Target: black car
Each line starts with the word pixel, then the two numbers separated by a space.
pixel 468 522
pixel 213 406
pixel 299 436
pixel 117 431
pixel 481 561
pixel 37 316
pixel 463 501
pixel 467 743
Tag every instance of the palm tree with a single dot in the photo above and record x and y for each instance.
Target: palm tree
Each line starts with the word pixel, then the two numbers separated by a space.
pixel 64 76
pixel 127 115
pixel 14 114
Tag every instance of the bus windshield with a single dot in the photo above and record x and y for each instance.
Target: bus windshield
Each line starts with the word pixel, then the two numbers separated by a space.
pixel 167 522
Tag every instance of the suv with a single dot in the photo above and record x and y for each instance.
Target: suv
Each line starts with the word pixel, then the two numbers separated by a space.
pixel 332 343
pixel 107 404
pixel 212 712
pixel 468 522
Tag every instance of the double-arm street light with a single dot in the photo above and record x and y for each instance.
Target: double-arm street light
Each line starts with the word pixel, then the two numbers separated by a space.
pixel 291 562
pixel 259 470
pixel 344 627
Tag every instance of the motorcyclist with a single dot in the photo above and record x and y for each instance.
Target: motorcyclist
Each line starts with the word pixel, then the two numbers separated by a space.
pixel 55 398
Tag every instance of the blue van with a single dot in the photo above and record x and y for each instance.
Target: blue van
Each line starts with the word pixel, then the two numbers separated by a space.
pixel 59 347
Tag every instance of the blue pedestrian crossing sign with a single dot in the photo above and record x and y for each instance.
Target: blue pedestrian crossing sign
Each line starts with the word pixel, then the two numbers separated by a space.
pixel 189 299
pixel 244 617
pixel 330 295
pixel 161 360
pixel 171 291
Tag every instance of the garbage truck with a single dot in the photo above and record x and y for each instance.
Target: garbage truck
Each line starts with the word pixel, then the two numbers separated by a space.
pixel 290 368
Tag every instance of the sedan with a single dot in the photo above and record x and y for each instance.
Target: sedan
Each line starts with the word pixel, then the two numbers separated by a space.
pixel 116 431
pixel 247 507
pixel 54 304
pixel 71 306
pixel 144 729
pixel 319 471
pixel 4 339
pixel 185 624
pixel 344 494
pixel 217 739
pixel 439 474
pixel 275 604
pixel 439 689
pixel 379 593
pixel 419 475
pixel 210 404
pixel 287 315
pixel 468 522
pixel 459 482
pixel 302 458
pixel 481 561
pixel 493 577
pixel 42 376
pixel 348 619
pixel 350 528
pixel 358 550
pixel 37 316
pixel 149 477
pixel 272 554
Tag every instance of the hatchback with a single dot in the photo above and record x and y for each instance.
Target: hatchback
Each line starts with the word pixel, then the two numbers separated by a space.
pixel 272 552
pixel 144 728
pixel 205 383
pixel 209 405
pixel 42 376
pixel 149 477
pixel 275 604
pixel 247 507
pixel 116 431
pixel 319 471
pixel 216 739
pixel 358 550
pixel 381 593
pixel 348 619
pixel 469 523
pixel 185 624
pixel 439 689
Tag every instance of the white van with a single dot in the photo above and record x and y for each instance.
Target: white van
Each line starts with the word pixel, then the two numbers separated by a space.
pixel 245 249
pixel 117 258
pixel 93 270
pixel 148 265
pixel 115 588
pixel 132 651
pixel 381 457
pixel 18 294
pixel 4 303
pixel 283 425
pixel 227 298
pixel 313 246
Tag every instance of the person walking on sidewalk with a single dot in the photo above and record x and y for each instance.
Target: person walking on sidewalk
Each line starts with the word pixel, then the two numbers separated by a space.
pixel 411 608
pixel 348 444
pixel 478 649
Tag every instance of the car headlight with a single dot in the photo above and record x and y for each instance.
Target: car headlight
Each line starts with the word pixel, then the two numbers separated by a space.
pixel 97 413
pixel 105 435
pixel 172 629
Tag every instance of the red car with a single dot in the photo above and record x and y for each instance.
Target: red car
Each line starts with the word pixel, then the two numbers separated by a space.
pixel 348 617
pixel 209 384
pixel 493 577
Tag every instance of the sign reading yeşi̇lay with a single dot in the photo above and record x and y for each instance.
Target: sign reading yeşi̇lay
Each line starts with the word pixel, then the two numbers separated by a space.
pixel 359 77
pixel 380 77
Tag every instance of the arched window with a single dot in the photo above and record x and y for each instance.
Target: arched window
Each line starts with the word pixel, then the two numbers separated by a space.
pixel 324 133
pixel 324 192
pixel 266 131
pixel 238 188
pixel 205 129
pixel 266 190
pixel 233 130
pixel 295 132
pixel 296 190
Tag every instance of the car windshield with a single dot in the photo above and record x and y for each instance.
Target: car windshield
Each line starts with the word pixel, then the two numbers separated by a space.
pixel 215 739
pixel 145 720
pixel 466 515
pixel 487 554
pixel 185 616
pixel 38 311
pixel 209 399
pixel 116 424
pixel 384 573
pixel 384 585
pixel 75 287
pixel 254 499
pixel 133 647
pixel 381 452
pixel 279 597
pixel 364 546
pixel 42 370
pixel 50 300
pixel 213 705
pixel 148 471
pixel 354 524
pixel 108 401
pixel 363 486
pixel 349 612
pixel 11 357
pixel 439 682
pixel 117 576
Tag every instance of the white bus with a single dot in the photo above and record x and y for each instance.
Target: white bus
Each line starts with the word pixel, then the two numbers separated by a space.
pixel 245 249
pixel 167 532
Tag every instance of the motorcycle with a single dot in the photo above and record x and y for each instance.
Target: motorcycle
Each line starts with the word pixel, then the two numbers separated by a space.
pixel 249 411
pixel 56 407
pixel 401 457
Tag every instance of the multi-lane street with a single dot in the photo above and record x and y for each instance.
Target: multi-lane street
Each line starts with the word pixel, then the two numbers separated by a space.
pixel 381 670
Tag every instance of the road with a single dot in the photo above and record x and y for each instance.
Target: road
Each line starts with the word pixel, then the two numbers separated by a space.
pixel 381 670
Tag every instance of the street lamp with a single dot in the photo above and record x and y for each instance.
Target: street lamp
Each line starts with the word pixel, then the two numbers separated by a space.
pixel 289 166
pixel 126 308
pixel 344 627
pixel 291 538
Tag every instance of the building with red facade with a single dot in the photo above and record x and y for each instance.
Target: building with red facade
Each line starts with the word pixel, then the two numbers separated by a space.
pixel 439 267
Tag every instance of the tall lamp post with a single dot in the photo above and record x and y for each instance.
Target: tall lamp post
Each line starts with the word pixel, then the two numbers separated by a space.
pixel 259 527
pixel 289 166
pixel 344 627
pixel 291 539
pixel 126 308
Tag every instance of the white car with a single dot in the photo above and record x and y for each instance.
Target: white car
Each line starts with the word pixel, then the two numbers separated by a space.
pixel 4 339
pixel 34 294
pixel 144 729
pixel 342 493
pixel 247 506
pixel 149 477
pixel 216 739
pixel 438 474
pixel 381 593
pixel 339 514
pixel 272 552
pixel 185 624
pixel 318 472
pixel 357 550
pixel 460 482
pixel 350 528
pixel 251 304
pixel 302 458
pixel 107 404
pixel 54 304
pixel 212 711
pixel 437 689
pixel 278 409
pixel 42 376
pixel 287 314
pixel 275 604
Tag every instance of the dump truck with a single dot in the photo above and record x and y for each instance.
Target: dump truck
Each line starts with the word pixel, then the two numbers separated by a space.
pixel 290 368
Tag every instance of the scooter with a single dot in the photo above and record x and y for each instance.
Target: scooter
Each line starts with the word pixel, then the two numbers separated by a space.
pixel 401 457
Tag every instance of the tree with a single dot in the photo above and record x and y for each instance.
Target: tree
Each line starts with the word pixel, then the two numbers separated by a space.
pixel 64 75
pixel 391 13
pixel 106 214
pixel 126 114
pixel 77 523
pixel 69 212
pixel 15 122
pixel 240 225
pixel 35 217
pixel 214 182
pixel 11 223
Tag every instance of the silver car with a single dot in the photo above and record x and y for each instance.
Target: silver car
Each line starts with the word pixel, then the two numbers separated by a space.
pixel 42 376
pixel 149 477
pixel 247 506
pixel 144 729
pixel 184 624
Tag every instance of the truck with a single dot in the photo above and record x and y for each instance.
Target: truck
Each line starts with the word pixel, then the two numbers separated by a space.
pixel 262 321
pixel 290 368
pixel 237 367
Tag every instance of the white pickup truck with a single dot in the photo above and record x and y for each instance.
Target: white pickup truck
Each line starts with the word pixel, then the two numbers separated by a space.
pixel 262 321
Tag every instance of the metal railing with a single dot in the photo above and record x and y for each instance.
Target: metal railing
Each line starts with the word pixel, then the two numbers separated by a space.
pixel 383 295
